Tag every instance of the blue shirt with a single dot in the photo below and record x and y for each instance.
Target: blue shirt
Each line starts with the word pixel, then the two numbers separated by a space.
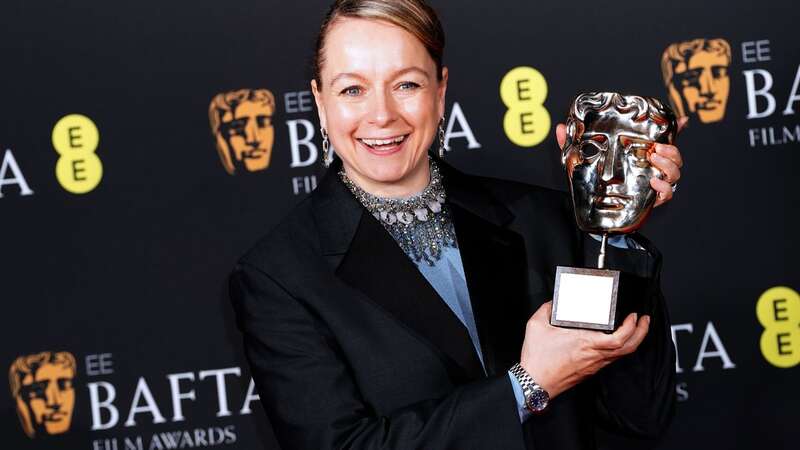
pixel 448 278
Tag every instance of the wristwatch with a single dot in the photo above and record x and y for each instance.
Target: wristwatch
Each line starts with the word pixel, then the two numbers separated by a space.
pixel 536 397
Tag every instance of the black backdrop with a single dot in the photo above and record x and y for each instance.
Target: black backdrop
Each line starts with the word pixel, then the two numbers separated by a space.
pixel 130 276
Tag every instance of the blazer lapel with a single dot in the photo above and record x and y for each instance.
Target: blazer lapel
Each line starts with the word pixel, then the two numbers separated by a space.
pixel 336 215
pixel 367 258
pixel 377 266
pixel 495 267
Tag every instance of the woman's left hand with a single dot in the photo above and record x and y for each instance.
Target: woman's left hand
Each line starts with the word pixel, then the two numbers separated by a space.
pixel 666 158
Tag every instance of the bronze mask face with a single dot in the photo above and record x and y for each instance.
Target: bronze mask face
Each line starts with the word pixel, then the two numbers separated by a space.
pixel 609 138
pixel 241 122
pixel 42 387
pixel 696 75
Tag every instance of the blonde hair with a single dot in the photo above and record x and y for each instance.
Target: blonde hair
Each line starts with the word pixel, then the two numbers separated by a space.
pixel 414 16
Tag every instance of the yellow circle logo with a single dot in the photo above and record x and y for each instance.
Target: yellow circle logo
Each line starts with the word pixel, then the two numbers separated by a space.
pixel 778 311
pixel 523 91
pixel 75 138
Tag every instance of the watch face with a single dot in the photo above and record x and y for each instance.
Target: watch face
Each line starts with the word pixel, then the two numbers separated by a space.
pixel 538 399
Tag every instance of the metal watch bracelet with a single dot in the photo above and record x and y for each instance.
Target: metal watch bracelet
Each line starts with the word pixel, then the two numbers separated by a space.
pixel 536 397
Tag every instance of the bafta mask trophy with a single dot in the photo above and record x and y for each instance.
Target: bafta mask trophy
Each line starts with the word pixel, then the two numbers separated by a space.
pixel 609 138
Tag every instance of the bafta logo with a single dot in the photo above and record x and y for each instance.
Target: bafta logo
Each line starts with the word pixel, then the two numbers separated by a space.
pixel 41 385
pixel 241 122
pixel 696 76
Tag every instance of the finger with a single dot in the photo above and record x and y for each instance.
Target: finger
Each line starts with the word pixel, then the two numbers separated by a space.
pixel 683 122
pixel 670 172
pixel 617 339
pixel 663 191
pixel 544 311
pixel 670 152
pixel 561 135
pixel 546 308
pixel 642 327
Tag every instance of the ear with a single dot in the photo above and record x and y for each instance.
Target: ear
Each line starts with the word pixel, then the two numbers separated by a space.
pixel 440 93
pixel 320 105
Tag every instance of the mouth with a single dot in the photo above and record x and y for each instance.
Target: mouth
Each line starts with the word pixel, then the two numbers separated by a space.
pixel 611 201
pixel 254 153
pixel 55 417
pixel 711 104
pixel 383 146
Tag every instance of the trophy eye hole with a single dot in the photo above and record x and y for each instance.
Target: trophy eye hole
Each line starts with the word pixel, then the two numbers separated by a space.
pixel 589 149
pixel 639 149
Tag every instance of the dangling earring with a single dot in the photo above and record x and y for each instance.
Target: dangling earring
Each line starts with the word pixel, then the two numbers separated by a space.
pixel 327 151
pixel 441 137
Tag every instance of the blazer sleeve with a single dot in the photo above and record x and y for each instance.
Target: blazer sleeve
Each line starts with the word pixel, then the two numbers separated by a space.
pixel 312 399
pixel 636 393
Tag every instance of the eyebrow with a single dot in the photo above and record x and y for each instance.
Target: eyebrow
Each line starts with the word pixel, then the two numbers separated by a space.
pixel 395 75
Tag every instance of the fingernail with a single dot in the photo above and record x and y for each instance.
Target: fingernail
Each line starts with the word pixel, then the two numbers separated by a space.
pixel 635 317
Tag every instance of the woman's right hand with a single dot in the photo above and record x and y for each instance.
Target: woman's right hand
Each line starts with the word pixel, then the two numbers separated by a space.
pixel 559 358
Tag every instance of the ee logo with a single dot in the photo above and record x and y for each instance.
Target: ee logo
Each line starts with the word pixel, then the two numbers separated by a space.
pixel 778 310
pixel 523 91
pixel 75 138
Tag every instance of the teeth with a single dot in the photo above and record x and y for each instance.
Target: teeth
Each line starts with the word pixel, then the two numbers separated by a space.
pixel 375 142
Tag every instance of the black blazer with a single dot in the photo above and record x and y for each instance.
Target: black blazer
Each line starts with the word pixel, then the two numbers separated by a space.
pixel 350 347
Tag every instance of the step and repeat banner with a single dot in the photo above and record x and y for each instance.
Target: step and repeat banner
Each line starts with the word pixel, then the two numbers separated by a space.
pixel 145 145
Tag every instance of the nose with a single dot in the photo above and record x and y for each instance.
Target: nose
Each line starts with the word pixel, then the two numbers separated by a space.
pixel 53 396
pixel 383 110
pixel 612 171
pixel 251 132
pixel 706 83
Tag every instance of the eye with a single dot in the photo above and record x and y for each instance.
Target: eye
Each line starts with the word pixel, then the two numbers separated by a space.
pixel 638 150
pixel 691 78
pixel 263 121
pixel 351 91
pixel 593 144
pixel 590 148
pixel 719 71
pixel 407 86
pixel 37 390
pixel 236 127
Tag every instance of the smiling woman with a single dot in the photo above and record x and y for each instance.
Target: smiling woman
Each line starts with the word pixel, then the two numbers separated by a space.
pixel 404 305
pixel 380 95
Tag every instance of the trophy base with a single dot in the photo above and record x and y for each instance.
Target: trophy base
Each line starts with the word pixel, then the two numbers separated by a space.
pixel 585 298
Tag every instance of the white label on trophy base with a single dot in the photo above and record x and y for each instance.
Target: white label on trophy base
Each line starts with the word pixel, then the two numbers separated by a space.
pixel 585 298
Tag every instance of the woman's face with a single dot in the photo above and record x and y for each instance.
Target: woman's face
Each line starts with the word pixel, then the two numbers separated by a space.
pixel 380 101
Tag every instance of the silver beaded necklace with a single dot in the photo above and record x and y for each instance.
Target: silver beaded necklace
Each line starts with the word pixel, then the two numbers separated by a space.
pixel 420 224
